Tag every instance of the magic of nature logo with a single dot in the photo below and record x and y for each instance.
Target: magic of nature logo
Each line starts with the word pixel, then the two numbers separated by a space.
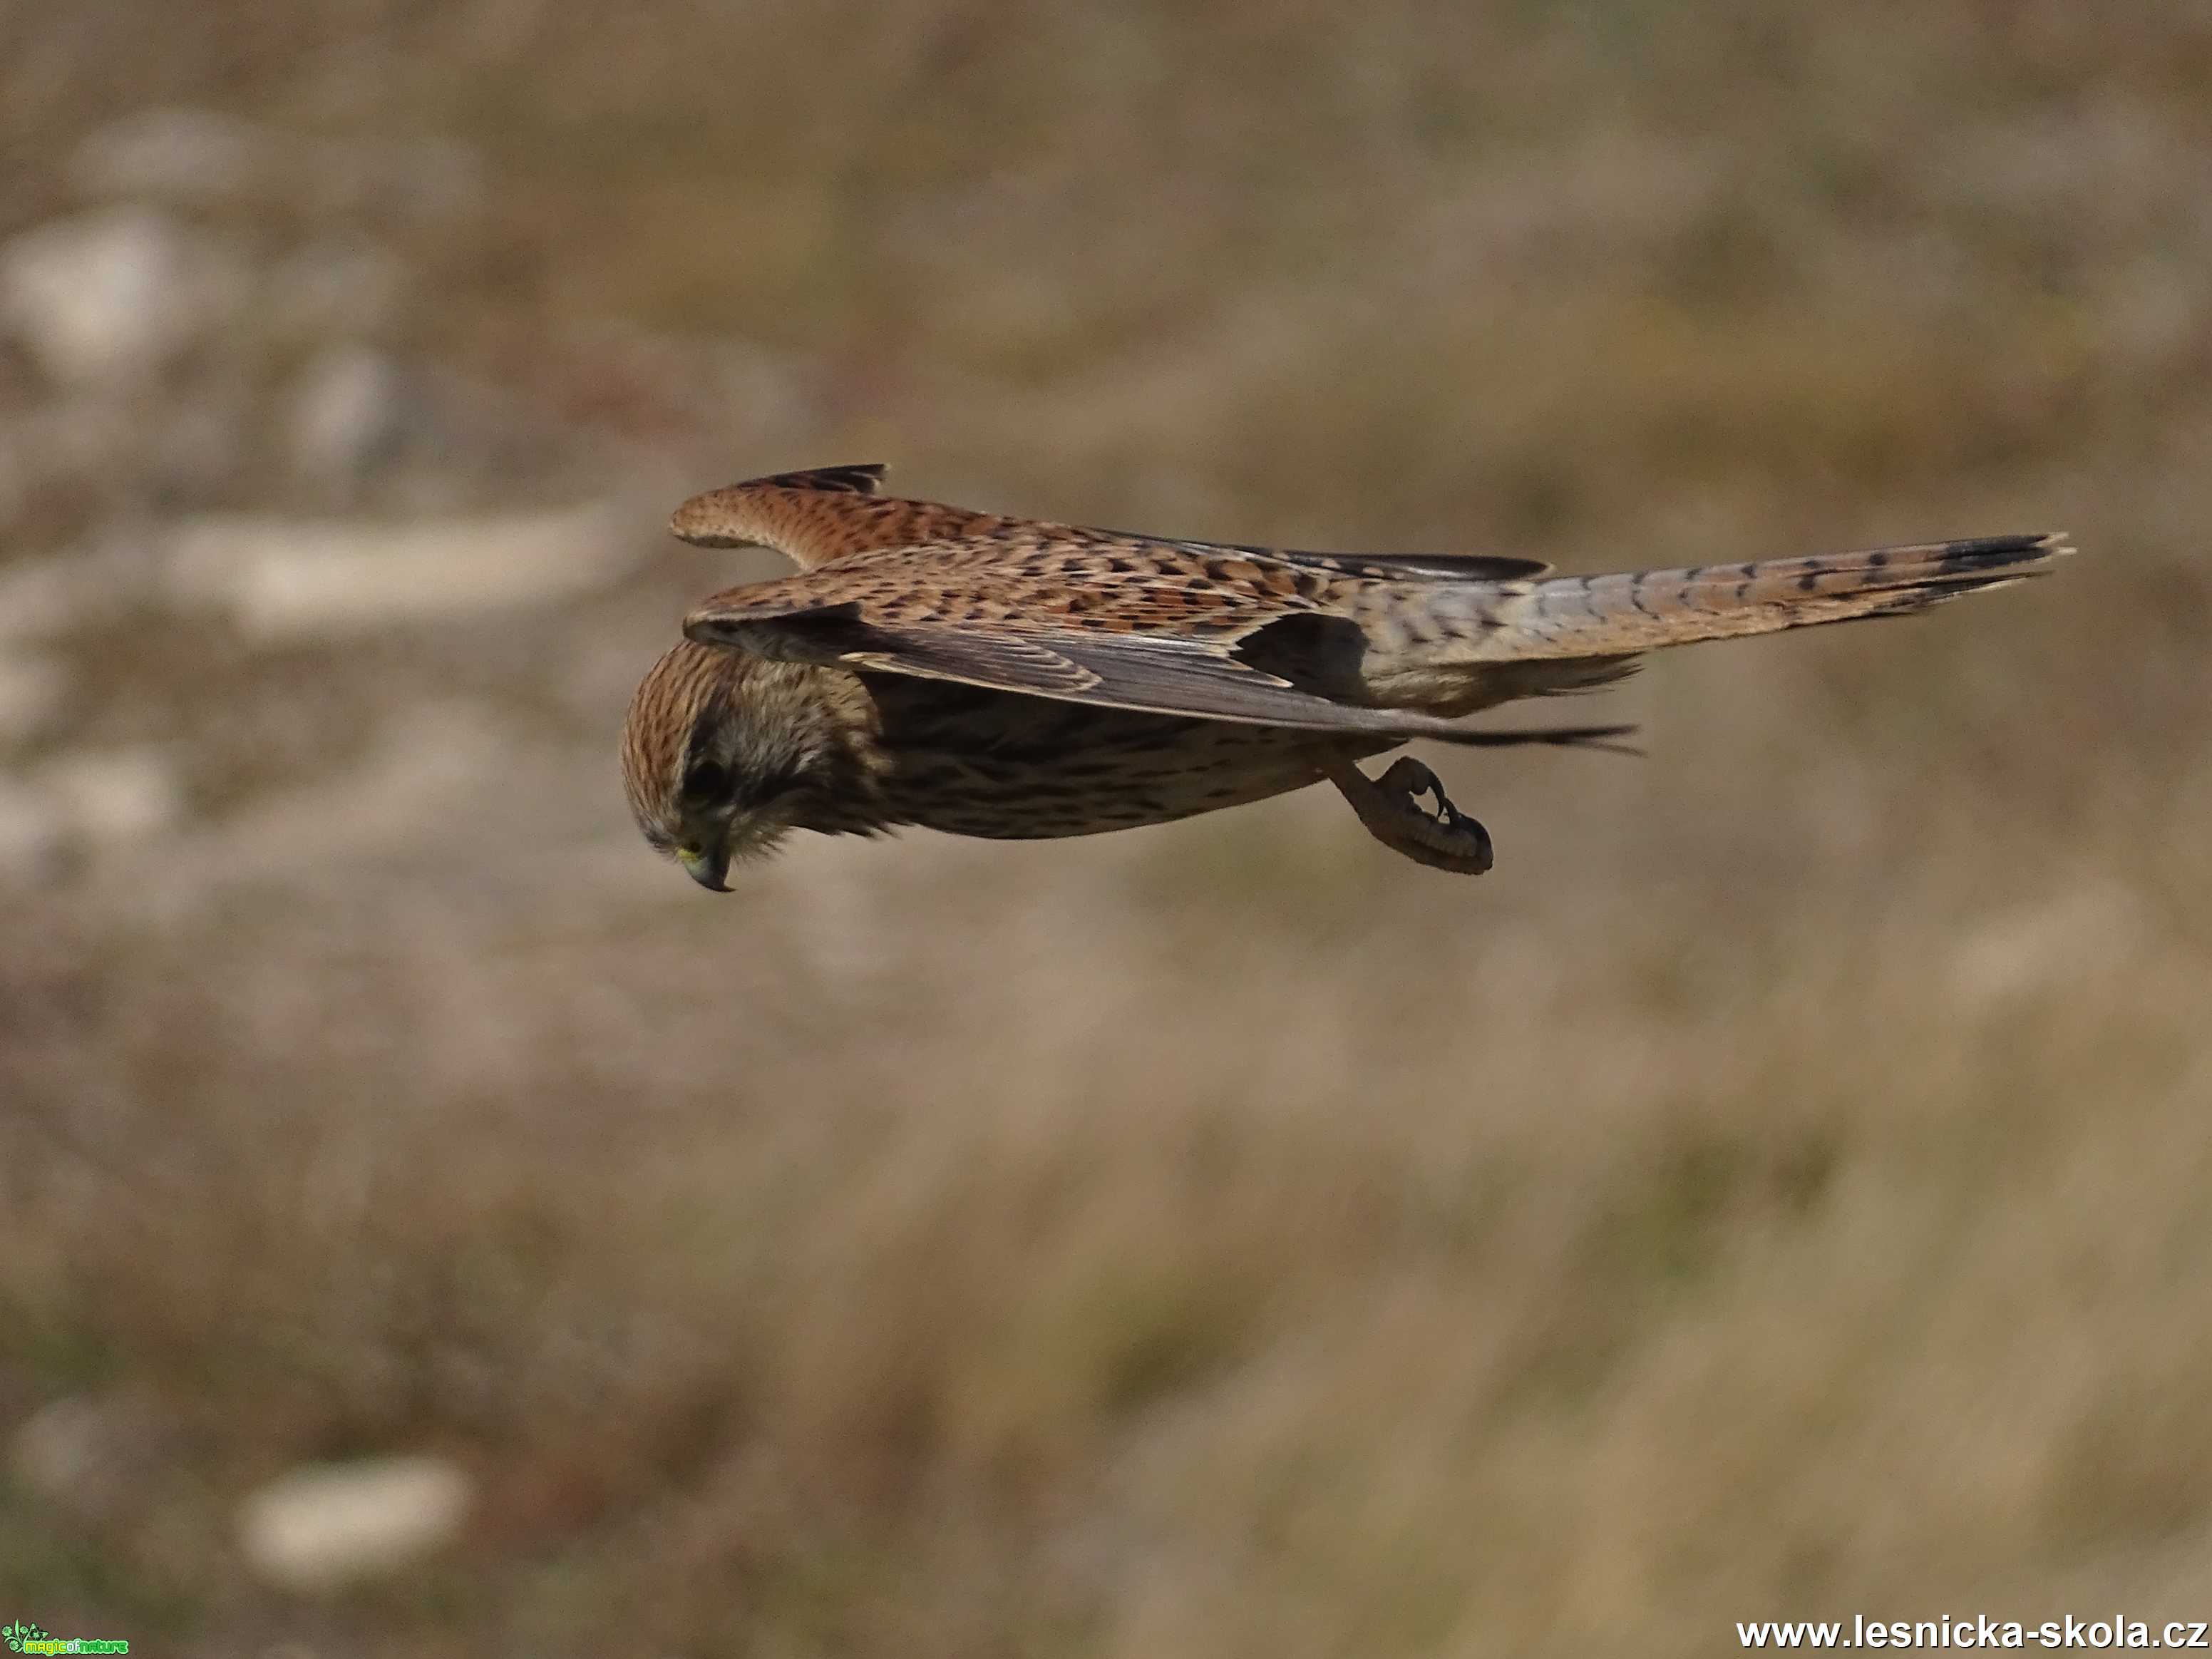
pixel 29 1638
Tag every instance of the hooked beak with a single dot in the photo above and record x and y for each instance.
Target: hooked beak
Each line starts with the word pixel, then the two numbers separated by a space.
pixel 707 866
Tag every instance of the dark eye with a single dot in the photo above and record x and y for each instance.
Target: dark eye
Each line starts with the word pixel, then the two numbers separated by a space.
pixel 706 780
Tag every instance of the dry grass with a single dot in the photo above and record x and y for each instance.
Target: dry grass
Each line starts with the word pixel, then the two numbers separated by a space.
pixel 1776 1191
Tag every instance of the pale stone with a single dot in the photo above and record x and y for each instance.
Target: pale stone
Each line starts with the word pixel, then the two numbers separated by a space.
pixel 178 154
pixel 114 795
pixel 2092 931
pixel 112 295
pixel 284 578
pixel 347 413
pixel 323 1527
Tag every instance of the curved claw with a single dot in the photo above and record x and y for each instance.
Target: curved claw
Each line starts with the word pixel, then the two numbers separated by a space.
pixel 1444 839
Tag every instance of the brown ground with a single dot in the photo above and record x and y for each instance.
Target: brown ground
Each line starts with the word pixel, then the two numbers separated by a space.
pixel 1779 1190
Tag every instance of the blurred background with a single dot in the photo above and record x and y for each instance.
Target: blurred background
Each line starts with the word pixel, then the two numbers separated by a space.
pixel 433 1227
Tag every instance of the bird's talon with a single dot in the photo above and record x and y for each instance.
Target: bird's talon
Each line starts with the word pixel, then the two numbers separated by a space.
pixel 1397 810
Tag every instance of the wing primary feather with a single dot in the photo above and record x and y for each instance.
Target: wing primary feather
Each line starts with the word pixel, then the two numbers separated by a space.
pixel 1605 738
pixel 859 479
pixel 1149 675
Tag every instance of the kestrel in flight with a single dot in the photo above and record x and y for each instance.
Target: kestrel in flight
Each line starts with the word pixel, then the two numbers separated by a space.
pixel 1019 679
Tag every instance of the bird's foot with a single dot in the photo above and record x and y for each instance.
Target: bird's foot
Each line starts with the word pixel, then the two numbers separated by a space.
pixel 1391 807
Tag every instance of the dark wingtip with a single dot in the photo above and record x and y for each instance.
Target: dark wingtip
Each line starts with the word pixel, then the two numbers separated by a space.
pixel 1605 737
pixel 859 479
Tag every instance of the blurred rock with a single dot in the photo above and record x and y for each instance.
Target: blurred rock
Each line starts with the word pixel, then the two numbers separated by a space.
pixel 114 795
pixel 31 833
pixel 43 598
pixel 412 182
pixel 322 1527
pixel 197 157
pixel 112 295
pixel 285 579
pixel 659 391
pixel 347 414
pixel 37 597
pixel 335 287
pixel 82 802
pixel 90 1456
pixel 425 773
pixel 192 155
pixel 2090 932
pixel 2153 312
pixel 31 690
pixel 69 441
pixel 201 445
pixel 17 477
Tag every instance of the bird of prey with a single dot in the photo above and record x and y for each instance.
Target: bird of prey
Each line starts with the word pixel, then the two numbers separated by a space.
pixel 1016 680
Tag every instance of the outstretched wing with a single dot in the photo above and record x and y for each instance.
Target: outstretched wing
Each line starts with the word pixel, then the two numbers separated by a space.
pixel 817 516
pixel 826 513
pixel 1079 616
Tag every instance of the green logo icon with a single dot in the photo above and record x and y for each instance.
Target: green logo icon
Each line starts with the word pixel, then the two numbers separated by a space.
pixel 29 1638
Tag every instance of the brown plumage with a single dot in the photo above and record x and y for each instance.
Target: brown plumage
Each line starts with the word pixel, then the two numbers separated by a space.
pixel 1014 678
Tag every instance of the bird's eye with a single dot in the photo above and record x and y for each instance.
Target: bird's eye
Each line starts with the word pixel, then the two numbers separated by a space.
pixel 706 780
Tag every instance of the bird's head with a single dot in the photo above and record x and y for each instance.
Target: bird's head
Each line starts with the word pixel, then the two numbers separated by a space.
pixel 724 753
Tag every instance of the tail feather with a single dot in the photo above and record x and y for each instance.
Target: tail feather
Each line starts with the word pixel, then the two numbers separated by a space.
pixel 1615 615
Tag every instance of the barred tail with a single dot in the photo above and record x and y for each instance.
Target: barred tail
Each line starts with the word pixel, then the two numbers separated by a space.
pixel 1641 610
